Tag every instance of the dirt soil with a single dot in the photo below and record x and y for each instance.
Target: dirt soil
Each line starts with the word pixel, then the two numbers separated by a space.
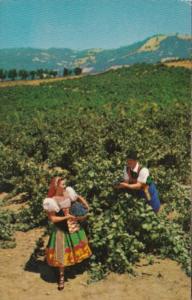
pixel 36 81
pixel 183 63
pixel 21 280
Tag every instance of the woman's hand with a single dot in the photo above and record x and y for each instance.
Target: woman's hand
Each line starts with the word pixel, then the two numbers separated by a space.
pixel 70 217
pixel 81 218
pixel 55 219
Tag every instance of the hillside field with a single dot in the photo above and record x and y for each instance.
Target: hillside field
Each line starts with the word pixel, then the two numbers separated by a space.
pixel 82 129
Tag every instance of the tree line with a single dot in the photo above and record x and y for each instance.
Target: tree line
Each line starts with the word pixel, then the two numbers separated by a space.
pixel 14 74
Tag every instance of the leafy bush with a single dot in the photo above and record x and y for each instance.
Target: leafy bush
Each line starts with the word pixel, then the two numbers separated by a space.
pixel 7 219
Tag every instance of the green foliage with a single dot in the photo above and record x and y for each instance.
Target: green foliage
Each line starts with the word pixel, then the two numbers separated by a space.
pixel 77 71
pixel 12 74
pixel 23 74
pixel 3 74
pixel 86 127
pixel 7 219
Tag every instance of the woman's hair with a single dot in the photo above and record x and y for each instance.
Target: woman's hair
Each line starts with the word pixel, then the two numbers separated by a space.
pixel 53 186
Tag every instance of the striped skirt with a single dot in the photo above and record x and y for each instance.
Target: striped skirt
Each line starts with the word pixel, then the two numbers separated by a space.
pixel 65 248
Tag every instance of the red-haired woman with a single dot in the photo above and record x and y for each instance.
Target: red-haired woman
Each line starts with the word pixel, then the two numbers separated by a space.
pixel 67 243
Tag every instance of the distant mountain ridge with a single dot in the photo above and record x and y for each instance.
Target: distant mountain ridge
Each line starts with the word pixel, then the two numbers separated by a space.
pixel 151 50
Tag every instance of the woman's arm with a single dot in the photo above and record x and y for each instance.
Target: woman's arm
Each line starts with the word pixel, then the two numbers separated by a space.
pixel 55 219
pixel 83 201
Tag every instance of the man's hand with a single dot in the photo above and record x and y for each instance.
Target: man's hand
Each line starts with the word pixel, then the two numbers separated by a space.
pixel 122 185
pixel 132 186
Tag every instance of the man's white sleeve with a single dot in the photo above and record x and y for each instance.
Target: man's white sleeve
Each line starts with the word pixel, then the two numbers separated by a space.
pixel 125 175
pixel 143 175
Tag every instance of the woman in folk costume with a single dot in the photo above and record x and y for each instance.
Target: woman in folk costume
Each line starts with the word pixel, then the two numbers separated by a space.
pixel 67 243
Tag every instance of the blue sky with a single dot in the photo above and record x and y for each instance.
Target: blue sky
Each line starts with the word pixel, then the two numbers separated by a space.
pixel 83 24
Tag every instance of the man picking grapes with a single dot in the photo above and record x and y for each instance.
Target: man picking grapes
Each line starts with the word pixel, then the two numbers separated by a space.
pixel 137 178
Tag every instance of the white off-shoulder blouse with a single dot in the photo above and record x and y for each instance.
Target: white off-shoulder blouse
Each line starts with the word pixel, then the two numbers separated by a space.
pixel 53 205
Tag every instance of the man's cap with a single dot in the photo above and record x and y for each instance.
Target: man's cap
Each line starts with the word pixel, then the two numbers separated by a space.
pixel 132 154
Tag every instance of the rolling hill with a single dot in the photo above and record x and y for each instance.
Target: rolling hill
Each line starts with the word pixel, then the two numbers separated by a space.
pixel 151 50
